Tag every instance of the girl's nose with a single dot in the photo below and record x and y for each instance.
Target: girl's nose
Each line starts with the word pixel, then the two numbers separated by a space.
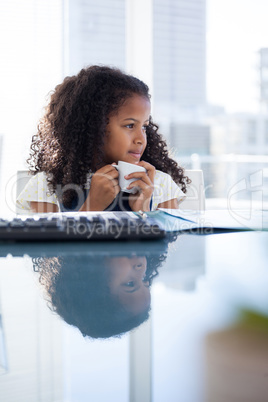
pixel 140 137
pixel 139 264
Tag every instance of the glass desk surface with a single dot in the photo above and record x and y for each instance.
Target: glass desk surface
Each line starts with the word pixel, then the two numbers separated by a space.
pixel 198 305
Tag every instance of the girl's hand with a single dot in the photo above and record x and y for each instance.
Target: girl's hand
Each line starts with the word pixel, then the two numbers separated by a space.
pixel 141 201
pixel 104 188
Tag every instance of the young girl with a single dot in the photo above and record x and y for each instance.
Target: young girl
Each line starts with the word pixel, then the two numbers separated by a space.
pixel 93 120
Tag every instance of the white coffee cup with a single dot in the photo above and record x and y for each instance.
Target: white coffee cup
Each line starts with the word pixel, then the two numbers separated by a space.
pixel 125 168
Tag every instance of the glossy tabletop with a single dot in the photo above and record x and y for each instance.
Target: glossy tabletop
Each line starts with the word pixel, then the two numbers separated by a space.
pixel 179 303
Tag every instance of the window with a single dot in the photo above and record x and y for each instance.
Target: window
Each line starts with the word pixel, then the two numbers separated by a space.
pixel 252 132
pixel 201 90
pixel 31 45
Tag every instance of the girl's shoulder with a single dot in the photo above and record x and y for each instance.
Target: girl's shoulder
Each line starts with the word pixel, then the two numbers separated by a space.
pixel 162 177
pixel 164 180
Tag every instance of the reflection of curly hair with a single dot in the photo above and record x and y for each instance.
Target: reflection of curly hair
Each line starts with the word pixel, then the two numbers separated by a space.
pixel 70 137
pixel 78 291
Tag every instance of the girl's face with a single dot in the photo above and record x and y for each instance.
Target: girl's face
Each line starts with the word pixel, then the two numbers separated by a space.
pixel 127 282
pixel 126 131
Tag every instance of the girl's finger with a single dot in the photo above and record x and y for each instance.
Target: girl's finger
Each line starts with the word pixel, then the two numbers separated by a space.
pixel 114 173
pixel 150 169
pixel 142 185
pixel 107 169
pixel 144 179
pixel 136 175
pixel 146 165
pixel 109 176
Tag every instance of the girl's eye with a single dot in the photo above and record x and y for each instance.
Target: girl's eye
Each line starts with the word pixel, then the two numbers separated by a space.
pixel 132 126
pixel 130 284
pixel 145 129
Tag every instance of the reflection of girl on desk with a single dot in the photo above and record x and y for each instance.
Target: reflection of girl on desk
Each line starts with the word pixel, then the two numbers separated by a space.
pixel 101 295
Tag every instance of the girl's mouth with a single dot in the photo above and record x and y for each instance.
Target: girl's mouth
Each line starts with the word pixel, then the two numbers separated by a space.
pixel 136 155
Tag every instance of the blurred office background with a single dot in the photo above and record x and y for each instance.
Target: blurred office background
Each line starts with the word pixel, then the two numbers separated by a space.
pixel 206 62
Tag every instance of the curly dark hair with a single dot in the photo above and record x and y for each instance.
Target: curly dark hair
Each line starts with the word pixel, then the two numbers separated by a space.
pixel 70 137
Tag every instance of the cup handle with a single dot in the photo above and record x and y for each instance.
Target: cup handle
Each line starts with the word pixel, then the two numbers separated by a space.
pixel 115 166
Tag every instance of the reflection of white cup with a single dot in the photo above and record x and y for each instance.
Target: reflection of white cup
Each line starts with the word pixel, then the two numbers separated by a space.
pixel 124 169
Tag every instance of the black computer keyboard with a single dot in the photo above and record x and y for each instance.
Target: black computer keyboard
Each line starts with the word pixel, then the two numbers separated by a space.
pixel 77 227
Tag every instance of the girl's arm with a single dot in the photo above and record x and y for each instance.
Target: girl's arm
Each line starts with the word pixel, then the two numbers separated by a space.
pixel 167 193
pixel 40 207
pixel 170 204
